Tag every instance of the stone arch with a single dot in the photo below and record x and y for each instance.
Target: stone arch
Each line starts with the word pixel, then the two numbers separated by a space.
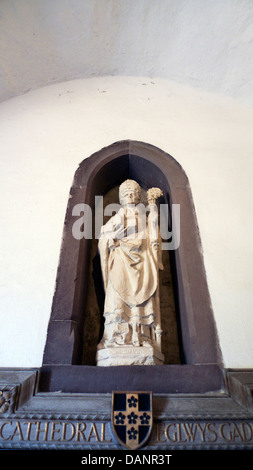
pixel 149 166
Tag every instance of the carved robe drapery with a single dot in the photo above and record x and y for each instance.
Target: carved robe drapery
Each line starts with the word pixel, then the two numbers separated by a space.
pixel 130 261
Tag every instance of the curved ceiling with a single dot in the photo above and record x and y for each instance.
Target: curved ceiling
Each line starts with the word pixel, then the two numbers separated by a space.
pixel 202 44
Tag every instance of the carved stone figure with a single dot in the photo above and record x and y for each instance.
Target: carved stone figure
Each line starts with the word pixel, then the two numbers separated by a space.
pixel 130 253
pixel 7 399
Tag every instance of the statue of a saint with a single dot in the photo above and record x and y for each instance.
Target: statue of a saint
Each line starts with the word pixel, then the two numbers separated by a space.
pixel 130 253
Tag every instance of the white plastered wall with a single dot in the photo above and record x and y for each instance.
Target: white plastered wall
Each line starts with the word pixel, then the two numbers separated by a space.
pixel 201 43
pixel 46 133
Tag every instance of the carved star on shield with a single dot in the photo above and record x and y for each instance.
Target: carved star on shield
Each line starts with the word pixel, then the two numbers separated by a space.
pixel 132 418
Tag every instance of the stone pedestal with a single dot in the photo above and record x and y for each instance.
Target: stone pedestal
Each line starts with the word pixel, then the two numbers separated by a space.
pixel 129 355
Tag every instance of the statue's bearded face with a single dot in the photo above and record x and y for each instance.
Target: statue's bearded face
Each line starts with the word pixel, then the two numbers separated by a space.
pixel 129 196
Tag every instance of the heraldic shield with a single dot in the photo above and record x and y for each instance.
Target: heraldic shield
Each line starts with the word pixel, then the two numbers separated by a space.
pixel 132 418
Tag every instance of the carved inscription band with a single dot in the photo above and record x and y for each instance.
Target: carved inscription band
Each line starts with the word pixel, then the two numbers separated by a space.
pixel 170 434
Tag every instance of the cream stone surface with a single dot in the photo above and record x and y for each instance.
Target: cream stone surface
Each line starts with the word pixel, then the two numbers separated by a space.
pixel 46 133
pixel 131 256
pixel 125 355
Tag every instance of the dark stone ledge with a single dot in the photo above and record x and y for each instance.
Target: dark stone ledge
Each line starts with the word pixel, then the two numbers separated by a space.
pixel 240 387
pixel 159 379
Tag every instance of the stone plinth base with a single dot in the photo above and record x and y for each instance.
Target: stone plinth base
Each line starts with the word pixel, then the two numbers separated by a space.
pixel 129 355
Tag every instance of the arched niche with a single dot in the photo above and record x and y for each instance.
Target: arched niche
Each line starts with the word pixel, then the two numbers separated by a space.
pixel 201 369
pixel 93 313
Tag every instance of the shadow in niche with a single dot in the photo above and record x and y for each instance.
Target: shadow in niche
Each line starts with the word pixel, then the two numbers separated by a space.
pixel 99 290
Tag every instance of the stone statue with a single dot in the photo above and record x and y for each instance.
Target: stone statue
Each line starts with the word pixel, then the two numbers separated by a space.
pixel 130 254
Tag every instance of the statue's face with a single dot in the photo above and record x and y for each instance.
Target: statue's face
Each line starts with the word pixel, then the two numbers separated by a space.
pixel 129 196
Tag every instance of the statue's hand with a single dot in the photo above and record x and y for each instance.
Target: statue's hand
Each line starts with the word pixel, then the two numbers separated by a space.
pixel 153 215
pixel 113 244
